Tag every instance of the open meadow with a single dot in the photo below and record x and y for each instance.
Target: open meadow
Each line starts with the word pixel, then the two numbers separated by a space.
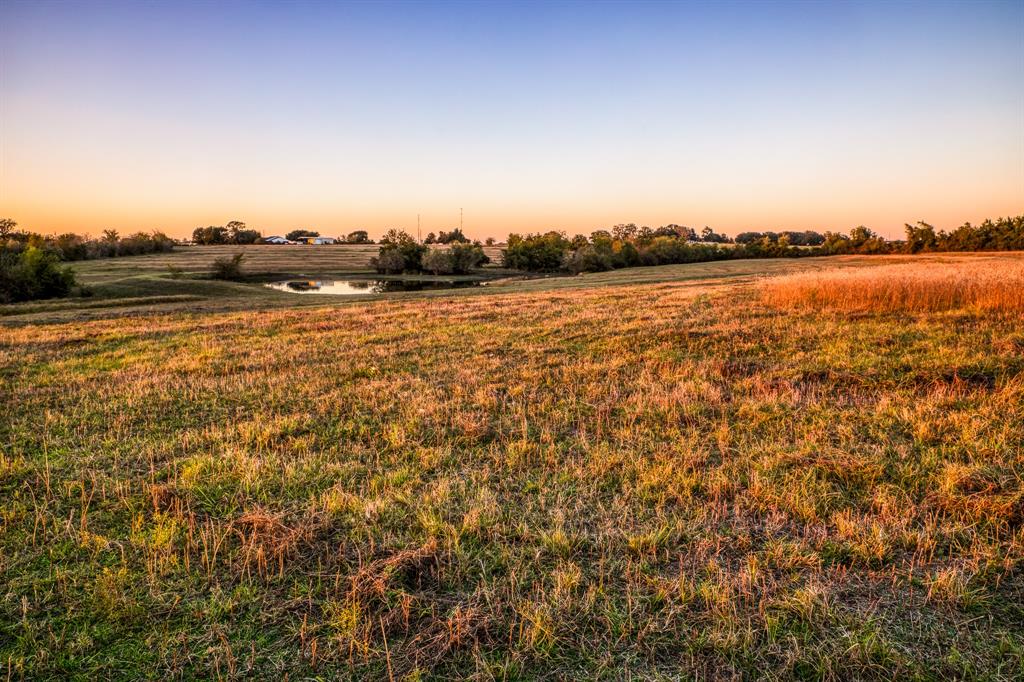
pixel 655 473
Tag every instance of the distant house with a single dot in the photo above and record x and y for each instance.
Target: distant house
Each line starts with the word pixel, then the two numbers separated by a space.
pixel 276 240
pixel 318 240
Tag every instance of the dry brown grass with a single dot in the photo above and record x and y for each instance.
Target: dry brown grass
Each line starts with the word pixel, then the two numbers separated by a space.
pixel 982 284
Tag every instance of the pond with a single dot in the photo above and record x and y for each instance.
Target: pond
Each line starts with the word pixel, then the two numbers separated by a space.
pixel 363 287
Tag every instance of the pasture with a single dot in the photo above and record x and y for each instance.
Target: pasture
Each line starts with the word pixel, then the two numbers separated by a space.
pixel 260 258
pixel 179 281
pixel 658 473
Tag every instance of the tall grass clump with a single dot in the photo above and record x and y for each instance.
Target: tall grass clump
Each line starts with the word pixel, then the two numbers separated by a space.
pixel 996 286
pixel 228 267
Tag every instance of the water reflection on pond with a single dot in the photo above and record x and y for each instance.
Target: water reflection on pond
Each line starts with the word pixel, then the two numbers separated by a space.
pixel 362 287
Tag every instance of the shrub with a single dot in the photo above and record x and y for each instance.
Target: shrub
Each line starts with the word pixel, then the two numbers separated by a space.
pixel 33 273
pixel 466 257
pixel 389 261
pixel 438 262
pixel 228 267
pixel 399 252
pixel 589 259
pixel 458 259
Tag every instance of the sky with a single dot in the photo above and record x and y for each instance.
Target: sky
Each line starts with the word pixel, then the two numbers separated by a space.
pixel 528 116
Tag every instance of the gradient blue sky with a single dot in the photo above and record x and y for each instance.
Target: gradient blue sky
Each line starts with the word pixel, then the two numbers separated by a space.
pixel 530 116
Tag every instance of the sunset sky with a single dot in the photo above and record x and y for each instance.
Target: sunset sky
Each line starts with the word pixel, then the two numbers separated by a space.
pixel 529 116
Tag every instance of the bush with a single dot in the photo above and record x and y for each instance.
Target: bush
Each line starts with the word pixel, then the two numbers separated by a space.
pixel 438 262
pixel 71 247
pixel 228 267
pixel 33 273
pixel 589 259
pixel 466 257
pixel 389 261
pixel 399 252
pixel 459 259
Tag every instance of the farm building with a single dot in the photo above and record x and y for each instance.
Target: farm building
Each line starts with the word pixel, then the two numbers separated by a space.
pixel 317 240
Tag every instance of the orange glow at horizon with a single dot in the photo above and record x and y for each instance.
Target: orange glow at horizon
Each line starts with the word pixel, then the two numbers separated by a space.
pixel 886 215
pixel 343 116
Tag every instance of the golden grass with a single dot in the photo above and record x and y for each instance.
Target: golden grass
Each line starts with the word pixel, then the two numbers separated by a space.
pixel 982 284
pixel 653 481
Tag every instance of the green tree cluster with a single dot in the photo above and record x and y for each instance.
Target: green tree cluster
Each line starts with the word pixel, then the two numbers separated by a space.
pixel 398 253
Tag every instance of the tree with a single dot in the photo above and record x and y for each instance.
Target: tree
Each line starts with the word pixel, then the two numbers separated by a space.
pixel 861 234
pixel 389 261
pixel 110 236
pixel 7 226
pixel 438 261
pixel 358 237
pixel 709 235
pixel 536 252
pixel 247 237
pixel 454 236
pixel 397 244
pixel 590 258
pixel 679 231
pixel 212 234
pixel 626 232
pixel 920 237
pixel 298 234
pixel 396 237
pixel 238 234
pixel 431 238
pixel 489 241
pixel 466 257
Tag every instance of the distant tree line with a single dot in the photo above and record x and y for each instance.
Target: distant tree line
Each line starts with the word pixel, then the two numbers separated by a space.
pixel 807 238
pixel 236 232
pixel 69 247
pixel 629 246
pixel 30 263
pixel 356 237
pixel 401 253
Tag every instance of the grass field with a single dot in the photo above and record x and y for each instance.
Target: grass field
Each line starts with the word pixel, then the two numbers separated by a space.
pixel 651 473
pixel 179 281
pixel 334 259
